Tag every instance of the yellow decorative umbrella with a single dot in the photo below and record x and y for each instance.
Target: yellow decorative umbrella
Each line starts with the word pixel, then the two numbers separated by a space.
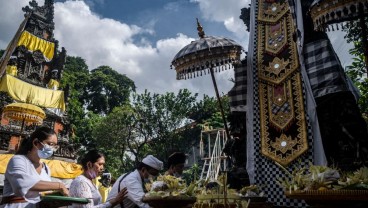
pixel 25 112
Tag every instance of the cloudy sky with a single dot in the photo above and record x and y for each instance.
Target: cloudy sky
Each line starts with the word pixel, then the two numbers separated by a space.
pixel 139 38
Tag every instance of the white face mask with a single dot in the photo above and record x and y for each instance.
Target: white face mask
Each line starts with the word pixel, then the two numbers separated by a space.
pixel 45 152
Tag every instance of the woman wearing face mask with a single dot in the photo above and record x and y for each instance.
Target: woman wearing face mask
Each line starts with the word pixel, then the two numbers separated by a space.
pixel 26 176
pixel 93 165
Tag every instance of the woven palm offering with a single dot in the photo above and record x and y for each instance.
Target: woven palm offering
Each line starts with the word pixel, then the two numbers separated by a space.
pixel 169 192
pixel 216 194
pixel 328 184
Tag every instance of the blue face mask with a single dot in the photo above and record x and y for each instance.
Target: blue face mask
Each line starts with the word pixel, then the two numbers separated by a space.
pixel 46 151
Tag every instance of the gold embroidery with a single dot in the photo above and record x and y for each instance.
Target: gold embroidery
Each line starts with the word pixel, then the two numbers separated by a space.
pixel 297 130
pixel 271 13
pixel 276 37
pixel 277 65
pixel 282 117
pixel 284 144
pixel 284 73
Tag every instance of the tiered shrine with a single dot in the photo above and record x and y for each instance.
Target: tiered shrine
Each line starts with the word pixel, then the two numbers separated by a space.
pixel 30 92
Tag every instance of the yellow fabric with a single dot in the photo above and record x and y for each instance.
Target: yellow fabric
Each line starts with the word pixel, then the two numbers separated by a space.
pixel 28 93
pixel 53 84
pixel 59 169
pixel 4 159
pixel 62 169
pixel 33 43
pixel 12 70
pixel 102 189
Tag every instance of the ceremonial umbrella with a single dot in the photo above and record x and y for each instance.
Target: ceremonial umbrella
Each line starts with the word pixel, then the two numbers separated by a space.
pixel 209 54
pixel 27 113
pixel 326 13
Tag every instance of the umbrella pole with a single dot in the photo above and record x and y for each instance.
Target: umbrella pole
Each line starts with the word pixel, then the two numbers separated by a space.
pixel 220 103
pixel 21 132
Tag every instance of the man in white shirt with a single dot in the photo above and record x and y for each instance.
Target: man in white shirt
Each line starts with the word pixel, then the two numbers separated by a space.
pixel 134 181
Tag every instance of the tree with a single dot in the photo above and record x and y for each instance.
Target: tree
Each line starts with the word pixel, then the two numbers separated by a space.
pixel 108 89
pixel 357 71
pixel 165 117
pixel 111 134
pixel 207 111
pixel 74 81
pixel 151 124
pixel 92 94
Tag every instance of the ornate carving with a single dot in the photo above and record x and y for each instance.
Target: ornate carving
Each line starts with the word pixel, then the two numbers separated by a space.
pixel 35 69
pixel 38 57
pixel 41 18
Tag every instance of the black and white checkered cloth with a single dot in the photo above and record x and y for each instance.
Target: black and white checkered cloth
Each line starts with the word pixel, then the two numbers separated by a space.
pixel 324 69
pixel 238 94
pixel 266 171
pixel 284 108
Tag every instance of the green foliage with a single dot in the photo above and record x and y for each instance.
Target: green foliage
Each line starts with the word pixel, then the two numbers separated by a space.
pixel 108 89
pixel 99 91
pixel 152 124
pixel 163 119
pixel 111 135
pixel 1 52
pixel 208 112
pixel 75 81
pixel 357 70
pixel 103 116
pixel 192 174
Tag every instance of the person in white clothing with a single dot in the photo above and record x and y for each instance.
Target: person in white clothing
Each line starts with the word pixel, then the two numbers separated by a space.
pixel 82 187
pixel 26 176
pixel 134 182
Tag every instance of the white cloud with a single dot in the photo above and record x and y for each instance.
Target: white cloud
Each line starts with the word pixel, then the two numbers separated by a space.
pixel 103 41
pixel 227 12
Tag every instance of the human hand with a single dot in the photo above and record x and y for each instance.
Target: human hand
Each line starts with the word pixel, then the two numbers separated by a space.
pixel 63 190
pixel 119 197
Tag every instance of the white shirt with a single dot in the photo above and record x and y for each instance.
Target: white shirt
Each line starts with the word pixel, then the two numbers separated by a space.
pixel 134 185
pixel 20 177
pixel 82 187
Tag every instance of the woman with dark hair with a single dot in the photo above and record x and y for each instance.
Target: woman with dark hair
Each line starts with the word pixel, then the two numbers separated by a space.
pixel 93 165
pixel 26 176
pixel 176 163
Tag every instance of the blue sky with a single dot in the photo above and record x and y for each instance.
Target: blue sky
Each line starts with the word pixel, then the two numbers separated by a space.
pixel 139 38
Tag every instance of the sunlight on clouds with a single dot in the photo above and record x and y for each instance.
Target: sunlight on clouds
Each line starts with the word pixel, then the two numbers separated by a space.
pixel 100 41
pixel 227 12
pixel 103 41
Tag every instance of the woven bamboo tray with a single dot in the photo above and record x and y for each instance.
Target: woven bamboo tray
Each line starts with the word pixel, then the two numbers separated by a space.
pixel 169 201
pixel 328 195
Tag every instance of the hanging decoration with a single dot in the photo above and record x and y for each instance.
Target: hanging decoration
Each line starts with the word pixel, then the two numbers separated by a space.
pixel 282 113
